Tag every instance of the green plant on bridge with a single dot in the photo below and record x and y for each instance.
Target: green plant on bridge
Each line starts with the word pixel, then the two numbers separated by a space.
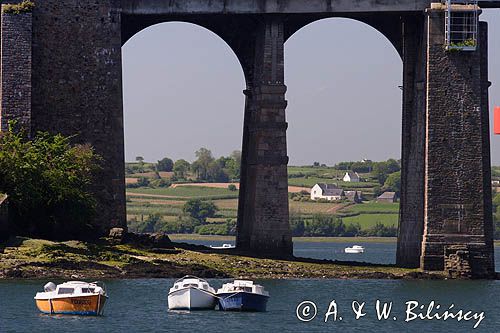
pixel 460 45
pixel 19 8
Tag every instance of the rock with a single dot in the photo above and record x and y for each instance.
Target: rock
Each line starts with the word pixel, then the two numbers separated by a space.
pixel 117 234
pixel 161 240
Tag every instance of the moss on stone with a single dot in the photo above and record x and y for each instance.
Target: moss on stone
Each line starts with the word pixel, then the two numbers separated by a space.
pixel 19 8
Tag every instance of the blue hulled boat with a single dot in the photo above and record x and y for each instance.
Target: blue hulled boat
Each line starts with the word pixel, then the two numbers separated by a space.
pixel 242 295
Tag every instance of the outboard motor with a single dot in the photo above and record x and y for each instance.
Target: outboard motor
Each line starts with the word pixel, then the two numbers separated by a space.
pixel 51 286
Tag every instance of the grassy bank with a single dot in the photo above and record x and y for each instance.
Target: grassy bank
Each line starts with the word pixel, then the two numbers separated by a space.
pixel 30 258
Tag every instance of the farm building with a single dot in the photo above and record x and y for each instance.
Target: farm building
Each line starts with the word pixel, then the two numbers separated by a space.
pixel 387 197
pixel 354 196
pixel 352 177
pixel 327 191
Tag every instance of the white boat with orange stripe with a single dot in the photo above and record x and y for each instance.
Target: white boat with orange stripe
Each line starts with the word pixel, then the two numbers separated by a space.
pixel 73 297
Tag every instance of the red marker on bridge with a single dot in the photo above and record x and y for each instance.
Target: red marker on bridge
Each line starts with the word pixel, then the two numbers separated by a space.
pixel 496 120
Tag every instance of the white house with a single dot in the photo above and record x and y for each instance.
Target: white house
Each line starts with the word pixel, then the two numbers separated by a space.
pixel 352 177
pixel 327 191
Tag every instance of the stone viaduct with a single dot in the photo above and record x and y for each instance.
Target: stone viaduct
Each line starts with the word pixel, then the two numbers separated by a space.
pixel 61 71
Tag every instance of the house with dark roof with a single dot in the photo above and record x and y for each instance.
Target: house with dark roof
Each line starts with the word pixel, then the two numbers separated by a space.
pixel 387 197
pixel 352 177
pixel 327 191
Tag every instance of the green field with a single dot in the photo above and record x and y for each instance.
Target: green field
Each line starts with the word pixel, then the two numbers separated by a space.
pixel 372 208
pixel 187 192
pixel 370 220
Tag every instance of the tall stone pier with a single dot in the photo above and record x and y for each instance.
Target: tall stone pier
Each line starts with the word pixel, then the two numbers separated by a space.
pixel 446 218
pixel 457 175
pixel 61 72
pixel 263 225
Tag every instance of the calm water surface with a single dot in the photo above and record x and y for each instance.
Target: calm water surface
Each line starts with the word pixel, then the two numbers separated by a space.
pixel 377 253
pixel 141 305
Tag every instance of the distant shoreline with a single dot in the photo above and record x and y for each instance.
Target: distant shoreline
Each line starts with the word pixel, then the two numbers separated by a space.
pixel 186 237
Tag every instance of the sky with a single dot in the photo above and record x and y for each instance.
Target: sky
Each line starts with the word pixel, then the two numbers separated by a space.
pixel 183 90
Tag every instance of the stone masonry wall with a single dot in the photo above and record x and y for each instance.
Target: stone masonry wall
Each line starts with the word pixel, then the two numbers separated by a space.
pixel 411 219
pixel 486 150
pixel 264 226
pixel 455 176
pixel 77 88
pixel 16 65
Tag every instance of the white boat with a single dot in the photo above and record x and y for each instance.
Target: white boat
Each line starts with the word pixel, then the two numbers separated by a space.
pixel 224 246
pixel 191 293
pixel 354 249
pixel 242 295
pixel 73 297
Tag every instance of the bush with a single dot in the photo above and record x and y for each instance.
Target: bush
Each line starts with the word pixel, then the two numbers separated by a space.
pixel 232 187
pixel 142 182
pixel 227 228
pixel 162 183
pixel 380 230
pixel 48 181
pixel 165 164
pixel 184 225
pixel 297 226
pixel 200 210
pixel 20 8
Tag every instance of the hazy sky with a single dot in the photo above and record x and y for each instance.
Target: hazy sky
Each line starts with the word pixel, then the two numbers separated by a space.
pixel 183 90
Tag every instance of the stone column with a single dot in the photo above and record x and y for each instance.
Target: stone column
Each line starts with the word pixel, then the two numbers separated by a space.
pixel 411 219
pixel 16 64
pixel 77 90
pixel 485 123
pixel 263 225
pixel 455 211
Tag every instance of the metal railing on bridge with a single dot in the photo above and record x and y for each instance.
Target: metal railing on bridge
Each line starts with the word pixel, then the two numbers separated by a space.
pixel 461 25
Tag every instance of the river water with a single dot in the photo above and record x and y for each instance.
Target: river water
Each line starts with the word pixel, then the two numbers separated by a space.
pixel 141 305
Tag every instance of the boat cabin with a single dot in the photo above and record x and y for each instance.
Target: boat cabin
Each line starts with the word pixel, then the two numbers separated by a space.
pixel 243 286
pixel 191 282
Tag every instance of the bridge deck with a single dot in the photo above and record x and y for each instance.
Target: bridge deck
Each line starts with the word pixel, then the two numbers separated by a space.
pixel 181 7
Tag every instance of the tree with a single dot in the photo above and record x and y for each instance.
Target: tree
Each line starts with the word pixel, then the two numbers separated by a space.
pixel 48 182
pixel 140 161
pixel 165 164
pixel 201 165
pixel 393 182
pixel 215 173
pixel 381 170
pixel 234 165
pixel 199 210
pixel 181 167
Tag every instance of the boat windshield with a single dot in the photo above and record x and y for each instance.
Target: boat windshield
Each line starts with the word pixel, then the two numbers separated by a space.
pixel 65 290
pixel 187 285
pixel 247 289
pixel 88 290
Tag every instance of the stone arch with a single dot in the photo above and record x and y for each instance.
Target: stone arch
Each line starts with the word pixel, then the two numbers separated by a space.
pixel 390 26
pixel 228 29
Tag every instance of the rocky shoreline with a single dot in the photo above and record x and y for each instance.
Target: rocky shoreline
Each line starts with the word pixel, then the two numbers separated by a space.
pixel 23 258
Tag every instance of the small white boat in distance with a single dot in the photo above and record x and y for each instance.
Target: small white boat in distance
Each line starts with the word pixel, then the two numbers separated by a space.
pixel 354 249
pixel 223 247
pixel 191 293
